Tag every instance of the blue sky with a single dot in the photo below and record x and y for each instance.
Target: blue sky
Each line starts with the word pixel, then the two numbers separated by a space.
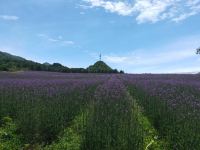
pixel 137 36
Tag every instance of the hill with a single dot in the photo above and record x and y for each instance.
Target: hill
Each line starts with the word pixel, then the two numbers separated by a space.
pixel 101 67
pixel 10 62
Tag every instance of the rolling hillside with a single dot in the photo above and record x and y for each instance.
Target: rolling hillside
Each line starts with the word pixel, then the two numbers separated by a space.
pixel 10 62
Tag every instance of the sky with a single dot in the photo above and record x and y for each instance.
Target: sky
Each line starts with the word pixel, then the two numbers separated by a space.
pixel 137 36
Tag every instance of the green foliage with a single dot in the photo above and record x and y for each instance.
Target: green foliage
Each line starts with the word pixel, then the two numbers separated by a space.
pixel 112 125
pixel 151 136
pixel 14 63
pixel 10 62
pixel 78 70
pixel 72 137
pixel 101 67
pixel 9 140
pixel 178 132
pixel 121 71
pixel 198 51
pixel 69 141
pixel 40 118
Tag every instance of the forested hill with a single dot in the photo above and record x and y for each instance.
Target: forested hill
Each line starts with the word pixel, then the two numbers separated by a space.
pixel 102 67
pixel 10 62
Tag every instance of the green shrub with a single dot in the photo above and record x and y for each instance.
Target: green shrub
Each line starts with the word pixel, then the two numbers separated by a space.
pixel 9 140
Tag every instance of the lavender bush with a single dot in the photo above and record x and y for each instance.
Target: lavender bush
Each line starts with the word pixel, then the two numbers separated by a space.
pixel 100 112
pixel 113 124
pixel 43 105
pixel 172 104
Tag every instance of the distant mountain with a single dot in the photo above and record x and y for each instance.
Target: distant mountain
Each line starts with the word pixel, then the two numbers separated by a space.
pixel 47 64
pixel 10 62
pixel 7 56
pixel 101 67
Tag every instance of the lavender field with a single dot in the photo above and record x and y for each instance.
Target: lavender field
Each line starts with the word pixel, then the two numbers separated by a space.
pixel 59 111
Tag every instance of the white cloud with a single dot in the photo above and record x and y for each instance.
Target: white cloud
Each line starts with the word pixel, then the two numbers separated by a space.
pixel 116 59
pixel 9 17
pixel 42 35
pixel 69 42
pixel 122 8
pixel 83 6
pixel 157 58
pixel 150 10
pixel 183 16
pixel 53 40
pixel 168 58
pixel 58 40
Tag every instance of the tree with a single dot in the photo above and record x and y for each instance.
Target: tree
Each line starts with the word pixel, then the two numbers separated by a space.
pixel 57 65
pixel 121 71
pixel 198 51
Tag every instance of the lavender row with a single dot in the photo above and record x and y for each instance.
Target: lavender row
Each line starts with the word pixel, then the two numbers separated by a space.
pixel 172 103
pixel 176 90
pixel 42 104
pixel 113 123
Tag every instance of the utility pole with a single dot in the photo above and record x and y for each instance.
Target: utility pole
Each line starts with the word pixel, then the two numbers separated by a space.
pixel 100 57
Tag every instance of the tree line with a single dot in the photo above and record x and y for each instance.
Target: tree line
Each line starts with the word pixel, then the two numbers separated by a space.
pixel 10 62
